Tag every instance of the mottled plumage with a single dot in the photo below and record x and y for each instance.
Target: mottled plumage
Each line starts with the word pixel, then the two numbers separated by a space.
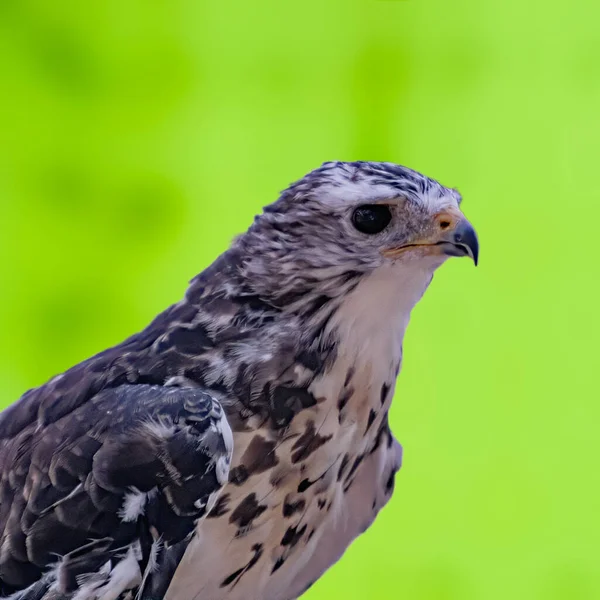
pixel 118 479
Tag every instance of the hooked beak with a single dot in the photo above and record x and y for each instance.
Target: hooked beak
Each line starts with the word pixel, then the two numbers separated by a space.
pixel 453 236
pixel 461 241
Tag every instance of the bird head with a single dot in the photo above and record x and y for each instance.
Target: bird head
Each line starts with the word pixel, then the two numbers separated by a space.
pixel 353 218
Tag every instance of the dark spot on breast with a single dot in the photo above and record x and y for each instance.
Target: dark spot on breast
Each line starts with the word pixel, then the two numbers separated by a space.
pixel 310 535
pixel 390 439
pixel 343 466
pixel 235 577
pixel 259 456
pixel 292 536
pixel 372 415
pixel 349 376
pixel 308 442
pixel 257 549
pixel 355 465
pixel 374 505
pixel 278 564
pixel 291 506
pixel 220 507
pixel 350 477
pixel 304 485
pixel 286 402
pixel 344 398
pixel 385 389
pixel 389 484
pixel 238 475
pixel 321 502
pixel 382 434
pixel 246 511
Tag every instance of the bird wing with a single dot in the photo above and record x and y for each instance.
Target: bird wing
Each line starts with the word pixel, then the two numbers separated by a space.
pixel 106 497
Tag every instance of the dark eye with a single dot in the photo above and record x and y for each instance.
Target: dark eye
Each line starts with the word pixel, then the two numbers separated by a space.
pixel 371 218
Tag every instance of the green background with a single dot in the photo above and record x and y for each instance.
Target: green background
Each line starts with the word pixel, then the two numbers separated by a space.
pixel 137 138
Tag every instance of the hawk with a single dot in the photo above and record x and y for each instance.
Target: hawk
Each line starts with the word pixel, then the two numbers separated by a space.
pixel 235 447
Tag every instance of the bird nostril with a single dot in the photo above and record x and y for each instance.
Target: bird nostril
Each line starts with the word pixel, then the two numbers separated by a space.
pixel 457 237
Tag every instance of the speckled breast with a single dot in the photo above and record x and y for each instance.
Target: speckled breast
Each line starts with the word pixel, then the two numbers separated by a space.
pixel 296 498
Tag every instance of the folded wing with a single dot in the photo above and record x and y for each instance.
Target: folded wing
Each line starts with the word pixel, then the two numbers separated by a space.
pixel 103 501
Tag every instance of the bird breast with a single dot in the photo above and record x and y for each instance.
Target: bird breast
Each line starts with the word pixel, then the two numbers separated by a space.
pixel 298 497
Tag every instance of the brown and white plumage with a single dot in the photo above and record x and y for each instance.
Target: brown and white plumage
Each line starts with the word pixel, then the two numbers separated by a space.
pixel 117 477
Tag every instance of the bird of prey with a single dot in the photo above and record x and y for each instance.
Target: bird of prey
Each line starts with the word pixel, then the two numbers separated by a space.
pixel 235 447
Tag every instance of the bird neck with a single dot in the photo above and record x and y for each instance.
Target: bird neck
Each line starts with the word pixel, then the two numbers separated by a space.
pixel 371 321
pixel 352 305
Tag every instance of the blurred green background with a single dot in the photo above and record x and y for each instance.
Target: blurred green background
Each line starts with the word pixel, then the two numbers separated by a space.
pixel 138 137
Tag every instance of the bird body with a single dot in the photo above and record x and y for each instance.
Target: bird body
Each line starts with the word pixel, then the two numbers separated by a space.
pixel 313 487
pixel 235 447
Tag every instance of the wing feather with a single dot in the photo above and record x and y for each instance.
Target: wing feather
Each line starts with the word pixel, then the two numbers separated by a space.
pixel 105 495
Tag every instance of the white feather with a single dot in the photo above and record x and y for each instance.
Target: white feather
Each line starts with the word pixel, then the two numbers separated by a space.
pixel 124 576
pixel 134 505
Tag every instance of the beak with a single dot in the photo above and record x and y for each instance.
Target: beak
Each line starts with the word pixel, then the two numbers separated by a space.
pixel 453 236
pixel 461 240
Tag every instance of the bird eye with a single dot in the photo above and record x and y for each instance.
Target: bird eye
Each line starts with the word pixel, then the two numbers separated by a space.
pixel 371 218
